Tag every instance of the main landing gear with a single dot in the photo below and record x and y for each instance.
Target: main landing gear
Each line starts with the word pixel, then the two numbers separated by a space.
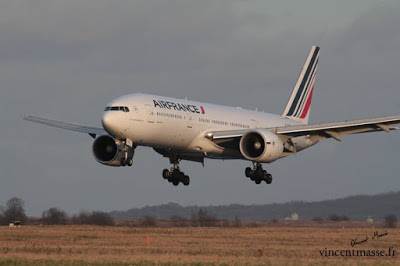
pixel 257 174
pixel 175 176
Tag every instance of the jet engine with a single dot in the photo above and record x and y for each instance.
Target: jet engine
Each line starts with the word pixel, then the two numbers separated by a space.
pixel 108 151
pixel 261 146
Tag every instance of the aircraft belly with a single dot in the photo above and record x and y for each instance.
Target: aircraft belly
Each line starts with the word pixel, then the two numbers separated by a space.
pixel 160 135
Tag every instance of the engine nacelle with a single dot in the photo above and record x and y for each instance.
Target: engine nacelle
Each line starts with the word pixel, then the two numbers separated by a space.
pixel 106 151
pixel 261 146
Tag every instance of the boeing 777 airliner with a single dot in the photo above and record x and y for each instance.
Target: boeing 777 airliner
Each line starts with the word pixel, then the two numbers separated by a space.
pixel 187 130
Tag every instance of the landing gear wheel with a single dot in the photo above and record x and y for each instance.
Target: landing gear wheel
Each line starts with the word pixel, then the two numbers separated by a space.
pixel 175 182
pixel 258 180
pixel 268 180
pixel 129 162
pixel 186 180
pixel 264 175
pixel 248 172
pixel 165 173
pixel 176 175
pixel 123 162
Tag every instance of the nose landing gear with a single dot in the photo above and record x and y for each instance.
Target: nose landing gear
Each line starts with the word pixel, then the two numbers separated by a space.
pixel 128 150
pixel 257 174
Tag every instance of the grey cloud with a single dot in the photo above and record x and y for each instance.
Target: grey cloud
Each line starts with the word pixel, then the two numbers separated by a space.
pixel 67 59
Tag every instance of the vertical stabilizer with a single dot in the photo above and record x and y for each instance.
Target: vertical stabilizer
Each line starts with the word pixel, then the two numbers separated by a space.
pixel 298 107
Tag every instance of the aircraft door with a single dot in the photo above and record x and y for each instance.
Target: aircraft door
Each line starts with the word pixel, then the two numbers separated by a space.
pixel 254 123
pixel 189 121
pixel 149 113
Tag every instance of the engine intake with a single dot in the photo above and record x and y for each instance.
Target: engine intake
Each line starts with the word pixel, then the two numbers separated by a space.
pixel 107 152
pixel 261 146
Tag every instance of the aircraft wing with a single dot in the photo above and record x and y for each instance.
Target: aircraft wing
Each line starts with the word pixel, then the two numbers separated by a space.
pixel 337 129
pixel 317 131
pixel 91 130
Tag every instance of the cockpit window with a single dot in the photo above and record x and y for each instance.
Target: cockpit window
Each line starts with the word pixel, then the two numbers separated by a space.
pixel 117 108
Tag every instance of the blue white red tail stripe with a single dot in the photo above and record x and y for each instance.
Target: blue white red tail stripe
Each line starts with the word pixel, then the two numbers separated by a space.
pixel 299 103
pixel 306 92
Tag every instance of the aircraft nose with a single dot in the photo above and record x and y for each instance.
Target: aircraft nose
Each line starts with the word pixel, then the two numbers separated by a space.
pixel 107 122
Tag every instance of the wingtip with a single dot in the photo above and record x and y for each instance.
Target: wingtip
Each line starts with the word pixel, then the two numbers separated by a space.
pixel 27 117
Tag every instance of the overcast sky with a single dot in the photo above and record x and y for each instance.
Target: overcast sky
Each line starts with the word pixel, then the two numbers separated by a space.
pixel 67 59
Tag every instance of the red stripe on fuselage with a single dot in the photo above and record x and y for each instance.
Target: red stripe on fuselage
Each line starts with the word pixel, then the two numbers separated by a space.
pixel 202 110
pixel 308 104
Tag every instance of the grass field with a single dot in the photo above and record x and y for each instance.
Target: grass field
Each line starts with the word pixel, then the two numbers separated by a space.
pixel 80 245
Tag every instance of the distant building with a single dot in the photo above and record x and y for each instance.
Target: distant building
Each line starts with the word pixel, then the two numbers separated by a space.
pixel 15 224
pixel 293 217
pixel 369 218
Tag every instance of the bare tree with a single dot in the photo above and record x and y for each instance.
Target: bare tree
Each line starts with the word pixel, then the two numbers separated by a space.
pixel 334 217
pixel 391 221
pixel 14 210
pixel 54 216
pixel 2 220
pixel 148 221
pixel 344 218
pixel 237 222
pixel 203 219
pixel 96 217
pixel 337 218
pixel 81 218
pixel 178 221
pixel 101 218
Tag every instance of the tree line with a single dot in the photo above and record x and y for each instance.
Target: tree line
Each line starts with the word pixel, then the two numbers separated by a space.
pixel 14 210
pixel 355 208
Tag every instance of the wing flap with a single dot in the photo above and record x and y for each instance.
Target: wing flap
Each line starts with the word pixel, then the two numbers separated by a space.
pixel 91 130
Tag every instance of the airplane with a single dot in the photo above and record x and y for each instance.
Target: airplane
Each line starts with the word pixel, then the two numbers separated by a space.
pixel 180 129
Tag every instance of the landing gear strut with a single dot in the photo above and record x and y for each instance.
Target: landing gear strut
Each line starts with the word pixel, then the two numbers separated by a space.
pixel 129 150
pixel 175 176
pixel 257 174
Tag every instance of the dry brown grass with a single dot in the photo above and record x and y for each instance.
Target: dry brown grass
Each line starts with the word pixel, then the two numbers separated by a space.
pixel 82 245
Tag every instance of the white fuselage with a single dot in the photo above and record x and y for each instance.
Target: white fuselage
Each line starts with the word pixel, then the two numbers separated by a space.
pixel 181 125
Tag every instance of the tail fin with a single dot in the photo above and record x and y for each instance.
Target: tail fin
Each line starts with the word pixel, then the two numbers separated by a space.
pixel 298 107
